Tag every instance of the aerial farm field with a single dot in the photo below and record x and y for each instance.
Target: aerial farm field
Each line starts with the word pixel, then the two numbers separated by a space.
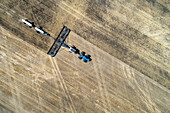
pixel 129 43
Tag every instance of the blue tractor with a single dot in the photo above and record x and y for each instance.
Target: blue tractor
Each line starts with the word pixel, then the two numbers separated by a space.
pixel 86 58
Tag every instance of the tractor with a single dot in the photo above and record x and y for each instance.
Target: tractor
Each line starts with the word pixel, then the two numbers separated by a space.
pixel 86 58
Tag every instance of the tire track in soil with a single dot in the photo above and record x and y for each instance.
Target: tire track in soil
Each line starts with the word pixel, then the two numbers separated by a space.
pixel 101 83
pixel 30 93
pixel 65 89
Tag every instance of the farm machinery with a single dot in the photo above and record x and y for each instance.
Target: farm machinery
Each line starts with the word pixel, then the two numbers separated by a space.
pixel 59 42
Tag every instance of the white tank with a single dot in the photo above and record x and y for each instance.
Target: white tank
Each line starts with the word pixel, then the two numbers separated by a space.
pixel 39 30
pixel 26 22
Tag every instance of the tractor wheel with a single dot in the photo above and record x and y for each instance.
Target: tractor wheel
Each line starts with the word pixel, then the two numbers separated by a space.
pixel 82 53
pixel 88 56
pixel 85 61
pixel 80 57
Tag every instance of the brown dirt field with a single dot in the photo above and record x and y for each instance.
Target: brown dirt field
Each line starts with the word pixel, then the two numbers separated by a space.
pixel 127 39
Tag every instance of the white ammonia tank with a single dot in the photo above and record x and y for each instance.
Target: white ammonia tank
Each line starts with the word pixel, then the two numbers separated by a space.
pixel 27 22
pixel 39 30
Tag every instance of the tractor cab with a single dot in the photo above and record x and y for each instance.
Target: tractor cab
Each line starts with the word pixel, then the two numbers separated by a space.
pixel 86 58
